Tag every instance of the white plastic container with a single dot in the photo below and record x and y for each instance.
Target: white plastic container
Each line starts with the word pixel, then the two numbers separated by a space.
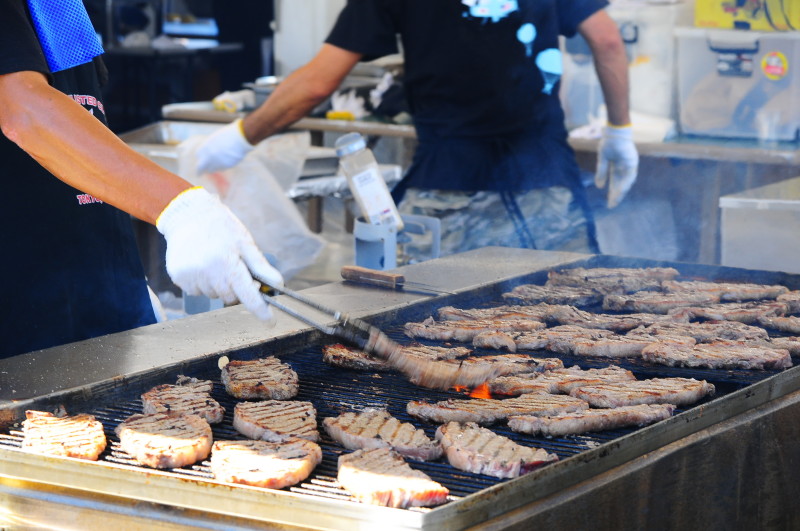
pixel 366 182
pixel 739 84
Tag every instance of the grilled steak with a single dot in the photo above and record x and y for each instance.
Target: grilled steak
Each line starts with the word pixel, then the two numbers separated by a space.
pixel 590 420
pixel 557 380
pixel 704 332
pixel 521 384
pixel 726 291
pixel 612 280
pixel 264 464
pixel 380 476
pixel 265 378
pixel 520 340
pixel 613 322
pixel 533 294
pixel 276 420
pixel 656 302
pixel 486 411
pixel 495 340
pixel 744 312
pixel 791 300
pixel 190 395
pixel 378 429
pixel 790 325
pixel 501 365
pixel 570 339
pixel 718 355
pixel 351 358
pixel 165 440
pixel 467 330
pixel 496 313
pixel 678 391
pixel 79 436
pixel 792 344
pixel 472 448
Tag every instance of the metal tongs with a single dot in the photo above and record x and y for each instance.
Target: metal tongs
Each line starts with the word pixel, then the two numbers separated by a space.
pixel 373 341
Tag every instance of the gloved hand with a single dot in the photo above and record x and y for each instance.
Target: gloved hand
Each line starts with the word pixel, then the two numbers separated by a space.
pixel 617 160
pixel 236 101
pixel 223 149
pixel 211 253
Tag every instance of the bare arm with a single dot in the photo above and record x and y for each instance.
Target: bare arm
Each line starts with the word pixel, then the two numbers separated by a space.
pixel 602 34
pixel 300 92
pixel 79 150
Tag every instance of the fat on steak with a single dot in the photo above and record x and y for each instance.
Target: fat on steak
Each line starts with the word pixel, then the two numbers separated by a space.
pixel 165 440
pixel 273 465
pixel 534 294
pixel 471 448
pixel 570 339
pixel 727 291
pixel 189 395
pixel 380 476
pixel 378 429
pixel 704 332
pixel 678 391
pixel 466 330
pixel 790 325
pixel 744 312
pixel 718 355
pixel 792 300
pixel 488 411
pixel 590 420
pixel 351 358
pixel 80 436
pixel 612 279
pixel 276 420
pixel 266 378
pixel 657 302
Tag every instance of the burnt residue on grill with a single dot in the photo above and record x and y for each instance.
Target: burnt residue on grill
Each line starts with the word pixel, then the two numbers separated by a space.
pixel 334 390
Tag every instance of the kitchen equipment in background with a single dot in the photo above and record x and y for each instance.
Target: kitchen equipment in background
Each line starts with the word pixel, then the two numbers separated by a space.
pixel 760 227
pixel 758 15
pixel 730 83
pixel 376 246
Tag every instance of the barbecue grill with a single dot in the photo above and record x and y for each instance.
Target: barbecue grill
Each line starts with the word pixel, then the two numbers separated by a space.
pixel 725 462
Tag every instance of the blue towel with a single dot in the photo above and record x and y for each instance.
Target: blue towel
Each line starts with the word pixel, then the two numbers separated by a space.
pixel 65 32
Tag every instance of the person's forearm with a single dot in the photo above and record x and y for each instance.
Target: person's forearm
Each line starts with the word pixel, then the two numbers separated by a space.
pixel 299 93
pixel 79 150
pixel 611 64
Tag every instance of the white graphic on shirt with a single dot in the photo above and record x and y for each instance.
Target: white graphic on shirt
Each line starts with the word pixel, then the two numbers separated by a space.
pixel 526 34
pixel 549 63
pixel 491 9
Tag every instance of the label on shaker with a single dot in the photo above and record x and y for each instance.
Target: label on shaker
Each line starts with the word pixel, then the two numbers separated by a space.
pixel 377 203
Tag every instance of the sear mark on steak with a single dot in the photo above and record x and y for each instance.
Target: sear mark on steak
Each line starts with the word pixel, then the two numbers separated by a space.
pixel 266 378
pixel 591 420
pixel 276 420
pixel 80 436
pixel 273 465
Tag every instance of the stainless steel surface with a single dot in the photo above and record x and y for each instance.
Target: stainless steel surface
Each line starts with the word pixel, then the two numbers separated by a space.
pixel 640 477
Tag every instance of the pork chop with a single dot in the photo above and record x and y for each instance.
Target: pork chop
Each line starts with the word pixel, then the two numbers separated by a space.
pixel 590 420
pixel 678 391
pixel 495 313
pixel 80 436
pixel 266 378
pixel 472 448
pixel 792 300
pixel 264 464
pixel 501 364
pixel 612 279
pixel 570 339
pixel 488 411
pixel 718 355
pixel 744 312
pixel 276 420
pixel 704 332
pixel 189 395
pixel 165 440
pixel 533 294
pixel 378 429
pixel 657 302
pixel 380 476
pixel 466 330
pixel 726 291
pixel 789 325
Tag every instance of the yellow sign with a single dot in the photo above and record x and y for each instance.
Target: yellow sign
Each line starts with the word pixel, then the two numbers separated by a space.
pixel 775 65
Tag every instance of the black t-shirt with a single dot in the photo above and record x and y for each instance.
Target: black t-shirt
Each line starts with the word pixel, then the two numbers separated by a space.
pixel 70 268
pixel 481 80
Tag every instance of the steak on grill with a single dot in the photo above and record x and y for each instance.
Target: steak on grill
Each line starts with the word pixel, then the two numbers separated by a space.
pixel 678 391
pixel 533 294
pixel 744 312
pixel 612 279
pixel 718 355
pixel 351 358
pixel 657 302
pixel 488 411
pixel 496 313
pixel 726 291
pixel 380 476
pixel 276 420
pixel 590 420
pixel 80 436
pixel 500 365
pixel 791 300
pixel 570 339
pixel 165 440
pixel 189 395
pixel 790 325
pixel 472 448
pixel 704 332
pixel 266 378
pixel 557 380
pixel 467 330
pixel 378 429
pixel 273 465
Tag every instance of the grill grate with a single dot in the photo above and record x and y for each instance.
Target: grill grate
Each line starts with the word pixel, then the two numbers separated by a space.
pixel 334 390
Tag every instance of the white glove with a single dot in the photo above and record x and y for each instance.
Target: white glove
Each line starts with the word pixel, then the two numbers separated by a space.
pixel 235 101
pixel 618 160
pixel 223 149
pixel 211 253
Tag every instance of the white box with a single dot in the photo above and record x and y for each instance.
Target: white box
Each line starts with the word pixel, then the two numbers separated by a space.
pixel 739 84
pixel 760 227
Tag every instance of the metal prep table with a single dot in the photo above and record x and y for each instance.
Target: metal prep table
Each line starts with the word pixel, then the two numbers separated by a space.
pixel 724 464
